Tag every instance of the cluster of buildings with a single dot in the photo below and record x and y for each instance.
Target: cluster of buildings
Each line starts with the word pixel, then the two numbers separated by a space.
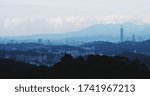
pixel 122 36
pixel 38 56
pixel 40 53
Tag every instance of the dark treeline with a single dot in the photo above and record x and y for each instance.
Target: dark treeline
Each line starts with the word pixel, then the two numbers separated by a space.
pixel 91 67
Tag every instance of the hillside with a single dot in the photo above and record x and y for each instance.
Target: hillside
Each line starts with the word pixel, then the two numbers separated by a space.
pixel 13 69
pixel 141 57
pixel 92 66
pixel 109 48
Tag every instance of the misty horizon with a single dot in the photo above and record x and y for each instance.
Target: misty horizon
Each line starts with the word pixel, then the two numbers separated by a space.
pixel 27 17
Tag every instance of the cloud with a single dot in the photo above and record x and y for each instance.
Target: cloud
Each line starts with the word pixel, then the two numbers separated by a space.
pixel 84 21
pixel 60 24
pixel 111 19
pixel 78 21
pixel 56 22
pixel 13 22
pixel 146 19
pixel 75 21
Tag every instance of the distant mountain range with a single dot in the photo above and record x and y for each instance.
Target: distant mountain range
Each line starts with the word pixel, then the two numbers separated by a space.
pixel 102 32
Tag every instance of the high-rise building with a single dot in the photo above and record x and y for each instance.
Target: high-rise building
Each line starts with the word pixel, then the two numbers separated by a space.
pixel 40 41
pixel 121 34
pixel 133 37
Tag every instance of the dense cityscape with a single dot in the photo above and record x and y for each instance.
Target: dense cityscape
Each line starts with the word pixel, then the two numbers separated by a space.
pixel 48 54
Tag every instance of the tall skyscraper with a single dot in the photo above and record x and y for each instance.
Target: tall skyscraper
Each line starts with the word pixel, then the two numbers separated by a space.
pixel 40 41
pixel 121 34
pixel 133 37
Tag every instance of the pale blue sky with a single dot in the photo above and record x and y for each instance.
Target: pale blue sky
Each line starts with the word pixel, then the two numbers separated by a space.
pixel 24 17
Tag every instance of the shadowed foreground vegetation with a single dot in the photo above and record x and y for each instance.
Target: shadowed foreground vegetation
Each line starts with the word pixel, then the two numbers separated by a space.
pixel 90 67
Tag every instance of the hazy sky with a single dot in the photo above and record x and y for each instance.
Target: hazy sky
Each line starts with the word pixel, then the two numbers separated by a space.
pixel 25 17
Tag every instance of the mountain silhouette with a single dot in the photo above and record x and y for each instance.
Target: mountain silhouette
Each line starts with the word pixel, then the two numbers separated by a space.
pixel 103 31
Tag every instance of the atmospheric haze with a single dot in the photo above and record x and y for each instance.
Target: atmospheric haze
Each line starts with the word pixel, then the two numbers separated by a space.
pixel 27 17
